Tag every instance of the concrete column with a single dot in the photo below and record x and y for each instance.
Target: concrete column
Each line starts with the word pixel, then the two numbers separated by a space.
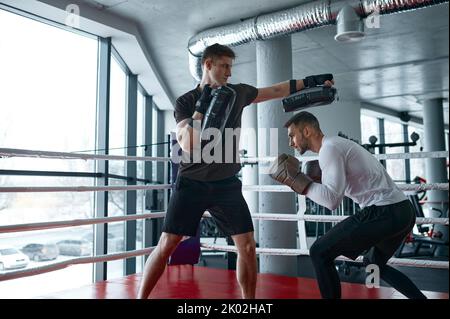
pixel 249 142
pixel 436 172
pixel 274 64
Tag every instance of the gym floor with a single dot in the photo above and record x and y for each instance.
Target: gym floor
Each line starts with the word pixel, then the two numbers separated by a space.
pixel 198 282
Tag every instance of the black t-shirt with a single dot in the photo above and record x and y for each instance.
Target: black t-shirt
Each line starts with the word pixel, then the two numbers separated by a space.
pixel 213 171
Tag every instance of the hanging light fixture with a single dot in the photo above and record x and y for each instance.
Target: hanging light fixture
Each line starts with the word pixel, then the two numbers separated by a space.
pixel 350 27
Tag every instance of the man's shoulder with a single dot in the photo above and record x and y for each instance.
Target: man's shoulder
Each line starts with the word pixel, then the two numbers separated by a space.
pixel 190 97
pixel 247 91
pixel 332 144
pixel 331 141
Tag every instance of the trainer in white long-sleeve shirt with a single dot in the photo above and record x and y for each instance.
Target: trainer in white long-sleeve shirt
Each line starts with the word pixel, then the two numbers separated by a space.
pixel 350 170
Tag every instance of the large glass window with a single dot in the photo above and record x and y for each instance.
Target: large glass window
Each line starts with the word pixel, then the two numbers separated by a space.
pixel 54 72
pixel 140 151
pixel 117 142
pixel 48 83
pixel 417 164
pixel 369 127
pixel 155 141
pixel 394 134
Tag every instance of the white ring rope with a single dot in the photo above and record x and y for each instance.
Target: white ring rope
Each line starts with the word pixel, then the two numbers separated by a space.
pixel 422 263
pixel 74 261
pixel 436 154
pixel 267 251
pixel 298 252
pixel 423 187
pixel 76 222
pixel 46 189
pixel 11 152
pixel 333 219
pixel 255 188
pixel 403 187
pixel 275 217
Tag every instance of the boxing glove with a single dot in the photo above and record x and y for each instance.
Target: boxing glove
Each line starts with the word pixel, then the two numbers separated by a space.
pixel 286 169
pixel 313 171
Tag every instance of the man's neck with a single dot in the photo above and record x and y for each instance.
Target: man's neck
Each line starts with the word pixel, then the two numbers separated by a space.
pixel 317 142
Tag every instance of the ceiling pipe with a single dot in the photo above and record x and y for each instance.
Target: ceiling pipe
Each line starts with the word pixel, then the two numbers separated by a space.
pixel 303 17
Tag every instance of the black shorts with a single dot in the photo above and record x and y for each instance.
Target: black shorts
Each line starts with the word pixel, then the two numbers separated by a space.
pixel 223 199
pixel 375 231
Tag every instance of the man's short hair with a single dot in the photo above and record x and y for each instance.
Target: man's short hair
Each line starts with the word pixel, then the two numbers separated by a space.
pixel 303 118
pixel 216 51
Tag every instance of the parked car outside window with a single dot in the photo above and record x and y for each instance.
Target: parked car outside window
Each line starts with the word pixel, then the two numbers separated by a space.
pixel 11 258
pixel 115 244
pixel 74 247
pixel 41 252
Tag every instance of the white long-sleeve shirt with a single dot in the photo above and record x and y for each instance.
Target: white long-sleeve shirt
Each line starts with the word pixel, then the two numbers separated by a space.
pixel 350 170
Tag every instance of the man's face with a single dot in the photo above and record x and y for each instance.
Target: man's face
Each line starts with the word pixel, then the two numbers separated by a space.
pixel 297 138
pixel 219 70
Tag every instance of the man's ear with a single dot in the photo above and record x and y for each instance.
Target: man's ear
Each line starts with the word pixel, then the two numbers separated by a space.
pixel 306 130
pixel 208 64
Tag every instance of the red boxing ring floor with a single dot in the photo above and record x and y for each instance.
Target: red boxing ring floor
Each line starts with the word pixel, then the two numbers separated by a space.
pixel 188 282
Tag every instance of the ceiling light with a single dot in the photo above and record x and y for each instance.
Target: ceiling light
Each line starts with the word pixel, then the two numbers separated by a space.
pixel 350 27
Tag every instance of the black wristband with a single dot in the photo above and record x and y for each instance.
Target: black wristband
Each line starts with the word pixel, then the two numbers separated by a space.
pixel 292 86
pixel 310 81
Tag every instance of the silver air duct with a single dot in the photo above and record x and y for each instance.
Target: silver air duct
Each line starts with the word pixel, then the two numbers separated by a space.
pixel 303 17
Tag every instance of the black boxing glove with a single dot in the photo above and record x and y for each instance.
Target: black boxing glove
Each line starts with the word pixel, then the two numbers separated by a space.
pixel 316 80
pixel 219 109
pixel 202 104
pixel 310 97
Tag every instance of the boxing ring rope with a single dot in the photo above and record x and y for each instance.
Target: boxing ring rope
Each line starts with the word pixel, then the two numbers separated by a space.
pixel 261 251
pixel 76 222
pixel 274 217
pixel 46 189
pixel 403 187
pixel 256 188
pixel 12 152
pixel 437 154
pixel 305 252
pixel 75 261
pixel 300 217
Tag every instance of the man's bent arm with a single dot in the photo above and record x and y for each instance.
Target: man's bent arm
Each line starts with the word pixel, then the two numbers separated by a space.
pixel 187 136
pixel 324 196
pixel 331 192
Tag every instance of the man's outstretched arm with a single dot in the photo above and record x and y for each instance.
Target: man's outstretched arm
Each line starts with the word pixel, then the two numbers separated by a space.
pixel 283 89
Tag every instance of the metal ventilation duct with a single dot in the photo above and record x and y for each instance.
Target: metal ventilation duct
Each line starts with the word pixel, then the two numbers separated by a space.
pixel 303 17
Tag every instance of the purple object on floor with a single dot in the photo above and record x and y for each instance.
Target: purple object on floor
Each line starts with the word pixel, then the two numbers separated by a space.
pixel 187 252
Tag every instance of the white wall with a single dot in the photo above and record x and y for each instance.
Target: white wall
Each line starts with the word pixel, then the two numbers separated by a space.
pixel 339 116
